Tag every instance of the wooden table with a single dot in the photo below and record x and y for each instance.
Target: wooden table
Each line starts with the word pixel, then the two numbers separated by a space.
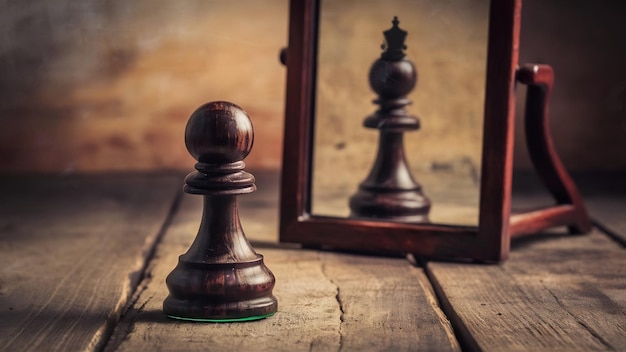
pixel 83 261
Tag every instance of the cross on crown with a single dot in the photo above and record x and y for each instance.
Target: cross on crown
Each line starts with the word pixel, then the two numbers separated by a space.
pixel 394 42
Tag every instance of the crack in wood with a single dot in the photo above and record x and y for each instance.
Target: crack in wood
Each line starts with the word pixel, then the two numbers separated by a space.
pixel 609 232
pixel 431 298
pixel 580 322
pixel 144 277
pixel 337 298
pixel 461 332
pixel 596 335
pixel 341 318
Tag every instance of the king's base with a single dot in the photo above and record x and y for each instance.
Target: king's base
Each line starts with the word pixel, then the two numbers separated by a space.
pixel 403 206
pixel 227 312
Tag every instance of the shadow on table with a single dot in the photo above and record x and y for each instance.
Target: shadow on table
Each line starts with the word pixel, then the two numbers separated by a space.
pixel 530 240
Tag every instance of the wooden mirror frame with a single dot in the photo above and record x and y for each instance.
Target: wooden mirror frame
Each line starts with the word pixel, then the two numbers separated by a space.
pixel 487 242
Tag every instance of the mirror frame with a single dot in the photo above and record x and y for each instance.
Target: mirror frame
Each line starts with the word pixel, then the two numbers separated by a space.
pixel 487 242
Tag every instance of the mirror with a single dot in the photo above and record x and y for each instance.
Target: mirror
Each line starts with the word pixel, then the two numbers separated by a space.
pixel 331 47
pixel 447 43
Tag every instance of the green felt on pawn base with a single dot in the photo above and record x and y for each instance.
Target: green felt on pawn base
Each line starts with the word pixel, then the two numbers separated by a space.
pixel 224 320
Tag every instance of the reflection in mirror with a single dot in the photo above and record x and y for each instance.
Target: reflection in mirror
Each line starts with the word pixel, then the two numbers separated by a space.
pixel 447 43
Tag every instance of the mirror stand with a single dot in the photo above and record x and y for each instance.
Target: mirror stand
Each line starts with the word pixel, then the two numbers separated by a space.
pixel 490 241
pixel 570 210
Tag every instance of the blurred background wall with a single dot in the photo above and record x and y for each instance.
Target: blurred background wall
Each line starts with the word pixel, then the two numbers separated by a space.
pixel 97 85
pixel 585 42
pixel 101 85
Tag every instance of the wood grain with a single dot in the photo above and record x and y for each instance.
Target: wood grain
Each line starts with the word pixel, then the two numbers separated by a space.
pixel 326 301
pixel 386 305
pixel 71 252
pixel 550 296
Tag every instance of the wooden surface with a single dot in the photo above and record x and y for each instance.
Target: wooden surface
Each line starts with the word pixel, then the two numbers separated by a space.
pixel 557 293
pixel 326 301
pixel 72 250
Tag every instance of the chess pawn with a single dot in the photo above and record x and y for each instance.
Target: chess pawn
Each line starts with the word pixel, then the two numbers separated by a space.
pixel 390 192
pixel 220 278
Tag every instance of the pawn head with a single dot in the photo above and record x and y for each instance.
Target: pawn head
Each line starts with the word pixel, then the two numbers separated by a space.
pixel 219 132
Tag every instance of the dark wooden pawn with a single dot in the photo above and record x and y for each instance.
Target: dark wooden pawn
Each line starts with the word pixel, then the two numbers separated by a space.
pixel 390 192
pixel 220 278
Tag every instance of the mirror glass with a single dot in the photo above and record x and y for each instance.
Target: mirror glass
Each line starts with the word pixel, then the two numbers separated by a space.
pixel 447 43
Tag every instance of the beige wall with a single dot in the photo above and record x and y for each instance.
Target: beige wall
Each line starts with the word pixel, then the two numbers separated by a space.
pixel 448 46
pixel 447 42
pixel 109 85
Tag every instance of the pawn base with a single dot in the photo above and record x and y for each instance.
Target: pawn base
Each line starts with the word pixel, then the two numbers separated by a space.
pixel 220 292
pixel 233 320
pixel 202 311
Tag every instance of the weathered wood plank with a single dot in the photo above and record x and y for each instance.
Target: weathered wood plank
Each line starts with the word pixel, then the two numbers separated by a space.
pixel 71 251
pixel 386 305
pixel 323 303
pixel 556 293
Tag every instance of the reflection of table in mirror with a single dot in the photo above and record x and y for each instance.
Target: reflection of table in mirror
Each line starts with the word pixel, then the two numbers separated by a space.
pixel 448 45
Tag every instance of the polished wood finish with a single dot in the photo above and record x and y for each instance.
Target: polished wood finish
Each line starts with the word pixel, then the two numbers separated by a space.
pixel 390 191
pixel 220 277
pixel 570 210
pixel 488 242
